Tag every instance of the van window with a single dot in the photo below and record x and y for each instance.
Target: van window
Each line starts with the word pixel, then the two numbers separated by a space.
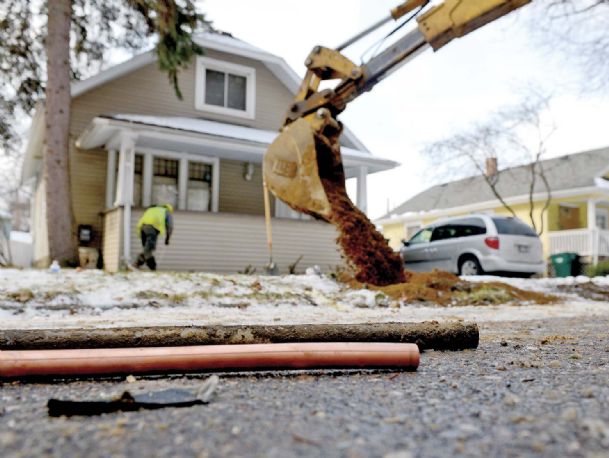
pixel 424 235
pixel 467 227
pixel 513 226
pixel 444 232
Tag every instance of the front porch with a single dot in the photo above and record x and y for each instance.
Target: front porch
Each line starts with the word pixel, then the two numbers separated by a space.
pixel 214 182
pixel 583 228
pixel 591 244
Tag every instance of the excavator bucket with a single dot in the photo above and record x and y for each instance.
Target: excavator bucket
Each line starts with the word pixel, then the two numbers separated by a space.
pixel 291 170
pixel 303 167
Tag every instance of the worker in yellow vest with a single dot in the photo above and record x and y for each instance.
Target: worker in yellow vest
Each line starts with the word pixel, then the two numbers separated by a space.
pixel 155 221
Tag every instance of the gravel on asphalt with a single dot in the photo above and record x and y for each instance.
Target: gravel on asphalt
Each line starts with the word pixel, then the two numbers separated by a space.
pixel 532 388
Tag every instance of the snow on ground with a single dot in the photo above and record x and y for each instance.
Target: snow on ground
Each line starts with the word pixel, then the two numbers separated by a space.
pixel 542 285
pixel 41 299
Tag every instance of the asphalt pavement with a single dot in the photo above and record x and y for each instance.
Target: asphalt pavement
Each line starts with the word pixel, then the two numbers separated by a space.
pixel 532 388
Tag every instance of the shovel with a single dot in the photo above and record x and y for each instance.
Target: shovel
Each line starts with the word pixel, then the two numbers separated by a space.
pixel 271 268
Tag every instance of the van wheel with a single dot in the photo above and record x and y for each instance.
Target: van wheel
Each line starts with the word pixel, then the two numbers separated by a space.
pixel 469 265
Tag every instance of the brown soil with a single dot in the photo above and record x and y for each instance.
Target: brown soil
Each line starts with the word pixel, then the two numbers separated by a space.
pixel 443 288
pixel 365 249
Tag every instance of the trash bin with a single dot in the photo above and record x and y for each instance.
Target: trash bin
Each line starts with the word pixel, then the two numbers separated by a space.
pixel 565 264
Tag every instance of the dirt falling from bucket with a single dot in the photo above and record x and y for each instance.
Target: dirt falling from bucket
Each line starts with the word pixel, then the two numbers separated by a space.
pixel 364 247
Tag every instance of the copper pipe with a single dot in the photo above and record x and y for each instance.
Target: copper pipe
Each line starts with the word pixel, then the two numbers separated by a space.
pixel 23 363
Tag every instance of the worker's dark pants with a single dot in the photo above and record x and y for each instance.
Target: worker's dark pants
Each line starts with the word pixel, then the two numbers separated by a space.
pixel 149 235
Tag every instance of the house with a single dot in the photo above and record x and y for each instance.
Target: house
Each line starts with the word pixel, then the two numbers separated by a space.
pixel 577 219
pixel 134 143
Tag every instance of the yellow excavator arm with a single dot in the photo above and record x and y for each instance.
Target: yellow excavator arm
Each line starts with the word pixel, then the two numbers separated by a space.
pixel 304 160
pixel 456 18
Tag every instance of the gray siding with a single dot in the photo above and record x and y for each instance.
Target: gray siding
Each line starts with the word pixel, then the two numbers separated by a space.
pixel 238 195
pixel 147 91
pixel 227 243
pixel 88 183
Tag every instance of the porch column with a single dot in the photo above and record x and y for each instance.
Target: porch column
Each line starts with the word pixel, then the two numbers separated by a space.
pixel 591 212
pixel 182 183
pixel 147 180
pixel 111 178
pixel 125 187
pixel 362 191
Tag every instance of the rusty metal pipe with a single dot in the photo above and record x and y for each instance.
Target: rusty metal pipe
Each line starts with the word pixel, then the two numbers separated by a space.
pixel 155 360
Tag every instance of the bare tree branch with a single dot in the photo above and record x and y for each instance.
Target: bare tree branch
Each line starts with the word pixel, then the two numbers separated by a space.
pixel 579 30
pixel 515 135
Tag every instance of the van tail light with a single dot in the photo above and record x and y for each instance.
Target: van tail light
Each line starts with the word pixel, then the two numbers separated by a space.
pixel 492 242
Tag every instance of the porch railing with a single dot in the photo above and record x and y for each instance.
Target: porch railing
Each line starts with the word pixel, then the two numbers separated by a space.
pixel 585 242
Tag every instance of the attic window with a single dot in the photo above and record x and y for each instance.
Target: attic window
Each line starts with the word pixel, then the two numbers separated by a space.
pixel 225 88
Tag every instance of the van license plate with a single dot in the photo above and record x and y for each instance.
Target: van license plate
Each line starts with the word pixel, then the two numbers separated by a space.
pixel 523 248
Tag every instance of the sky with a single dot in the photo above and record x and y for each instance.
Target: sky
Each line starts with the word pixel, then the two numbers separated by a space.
pixel 433 96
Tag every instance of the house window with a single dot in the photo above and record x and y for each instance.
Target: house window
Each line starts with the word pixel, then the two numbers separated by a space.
pixel 198 188
pixel 602 218
pixel 165 181
pixel 138 169
pixel 225 88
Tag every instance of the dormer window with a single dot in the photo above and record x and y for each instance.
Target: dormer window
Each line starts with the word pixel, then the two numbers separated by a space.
pixel 225 88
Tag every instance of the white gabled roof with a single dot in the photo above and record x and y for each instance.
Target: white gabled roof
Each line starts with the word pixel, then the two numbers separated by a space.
pixel 219 42
pixel 209 40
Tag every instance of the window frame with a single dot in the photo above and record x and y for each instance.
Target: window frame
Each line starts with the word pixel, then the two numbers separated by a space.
pixel 150 183
pixel 603 213
pixel 183 161
pixel 249 73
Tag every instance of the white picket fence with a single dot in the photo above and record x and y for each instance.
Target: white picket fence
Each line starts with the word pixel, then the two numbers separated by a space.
pixel 585 242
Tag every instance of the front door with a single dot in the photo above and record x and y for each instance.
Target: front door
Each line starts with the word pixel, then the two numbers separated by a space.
pixel 568 217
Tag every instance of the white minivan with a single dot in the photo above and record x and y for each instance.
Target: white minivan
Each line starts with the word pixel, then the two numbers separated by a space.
pixel 474 245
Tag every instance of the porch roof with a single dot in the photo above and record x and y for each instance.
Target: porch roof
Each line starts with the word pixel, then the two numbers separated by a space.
pixel 202 136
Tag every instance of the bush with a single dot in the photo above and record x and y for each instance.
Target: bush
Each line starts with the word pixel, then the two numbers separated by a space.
pixel 598 270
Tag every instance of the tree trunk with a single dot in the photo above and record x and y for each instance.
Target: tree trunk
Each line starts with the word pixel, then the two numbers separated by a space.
pixel 56 152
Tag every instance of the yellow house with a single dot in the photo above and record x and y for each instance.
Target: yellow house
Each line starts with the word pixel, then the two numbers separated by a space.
pixel 576 220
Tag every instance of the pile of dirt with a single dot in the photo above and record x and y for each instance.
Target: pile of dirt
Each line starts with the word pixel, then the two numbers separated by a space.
pixel 443 288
